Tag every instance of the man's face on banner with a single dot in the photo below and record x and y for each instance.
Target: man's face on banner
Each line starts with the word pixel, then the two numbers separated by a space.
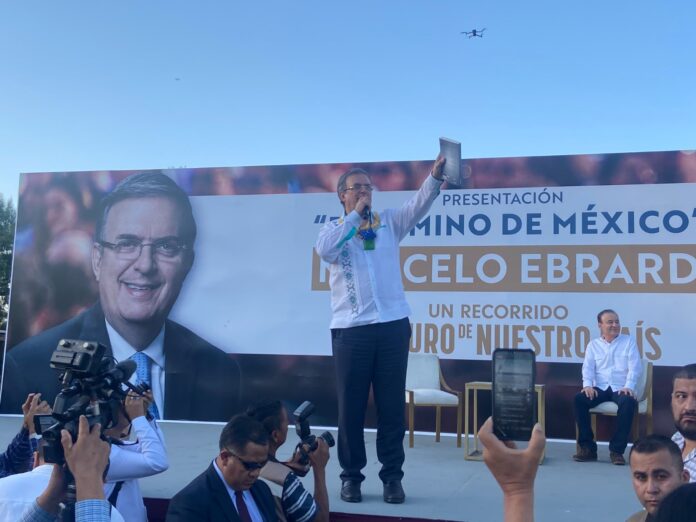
pixel 139 285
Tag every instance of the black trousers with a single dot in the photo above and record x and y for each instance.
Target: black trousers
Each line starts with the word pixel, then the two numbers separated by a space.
pixel 624 418
pixel 372 355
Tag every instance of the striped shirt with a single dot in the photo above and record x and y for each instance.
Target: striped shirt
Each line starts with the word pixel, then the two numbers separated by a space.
pixel 690 459
pixel 298 504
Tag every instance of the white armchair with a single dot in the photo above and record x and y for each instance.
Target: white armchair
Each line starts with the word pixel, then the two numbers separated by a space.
pixel 425 386
pixel 645 400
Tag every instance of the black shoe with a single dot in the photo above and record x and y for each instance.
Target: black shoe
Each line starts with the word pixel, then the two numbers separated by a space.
pixel 393 492
pixel 617 459
pixel 350 491
pixel 585 454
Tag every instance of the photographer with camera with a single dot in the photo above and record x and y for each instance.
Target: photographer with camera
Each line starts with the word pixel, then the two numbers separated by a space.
pixel 296 504
pixel 17 458
pixel 93 387
pixel 140 452
pixel 86 459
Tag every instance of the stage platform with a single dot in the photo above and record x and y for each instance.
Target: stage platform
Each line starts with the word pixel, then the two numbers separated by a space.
pixel 439 483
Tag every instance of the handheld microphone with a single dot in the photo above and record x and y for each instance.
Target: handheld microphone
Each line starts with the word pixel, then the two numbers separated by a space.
pixel 366 213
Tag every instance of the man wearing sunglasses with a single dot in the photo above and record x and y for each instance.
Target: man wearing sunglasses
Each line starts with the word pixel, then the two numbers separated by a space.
pixel 229 490
pixel 370 330
pixel 142 253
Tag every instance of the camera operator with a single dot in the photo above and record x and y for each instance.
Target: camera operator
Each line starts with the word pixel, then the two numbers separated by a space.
pixel 129 461
pixel 141 453
pixel 297 504
pixel 86 458
pixel 17 458
pixel 93 386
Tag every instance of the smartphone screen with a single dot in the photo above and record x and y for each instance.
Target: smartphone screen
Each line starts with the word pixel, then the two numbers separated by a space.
pixel 514 401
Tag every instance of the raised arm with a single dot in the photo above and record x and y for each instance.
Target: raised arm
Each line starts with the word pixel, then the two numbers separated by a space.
pixel 418 206
pixel 150 459
pixel 17 458
pixel 514 470
pixel 319 459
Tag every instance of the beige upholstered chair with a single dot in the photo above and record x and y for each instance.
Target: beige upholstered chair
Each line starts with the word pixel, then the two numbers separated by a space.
pixel 425 386
pixel 645 400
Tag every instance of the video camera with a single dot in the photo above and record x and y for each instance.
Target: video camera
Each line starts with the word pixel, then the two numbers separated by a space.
pixel 302 414
pixel 91 385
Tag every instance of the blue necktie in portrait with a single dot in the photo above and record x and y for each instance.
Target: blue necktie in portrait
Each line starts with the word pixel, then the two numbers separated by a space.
pixel 142 375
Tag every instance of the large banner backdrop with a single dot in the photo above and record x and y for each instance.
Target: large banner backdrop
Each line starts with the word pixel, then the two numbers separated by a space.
pixel 523 257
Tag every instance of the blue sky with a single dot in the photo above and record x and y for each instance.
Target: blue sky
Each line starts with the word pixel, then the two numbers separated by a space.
pixel 130 84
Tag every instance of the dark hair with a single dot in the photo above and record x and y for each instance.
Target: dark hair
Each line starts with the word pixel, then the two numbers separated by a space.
pixel 685 372
pixel 149 185
pixel 240 431
pixel 653 443
pixel 267 412
pixel 606 311
pixel 679 505
pixel 341 186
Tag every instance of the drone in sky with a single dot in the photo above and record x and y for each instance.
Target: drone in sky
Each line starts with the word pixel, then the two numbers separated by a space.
pixel 474 32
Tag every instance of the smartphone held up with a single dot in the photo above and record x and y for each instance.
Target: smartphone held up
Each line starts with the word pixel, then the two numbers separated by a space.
pixel 514 401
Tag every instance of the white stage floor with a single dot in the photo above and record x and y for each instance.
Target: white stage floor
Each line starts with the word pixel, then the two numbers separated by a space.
pixel 439 483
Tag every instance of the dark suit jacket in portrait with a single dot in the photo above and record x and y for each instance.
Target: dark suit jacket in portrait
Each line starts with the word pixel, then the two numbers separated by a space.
pixel 206 499
pixel 201 382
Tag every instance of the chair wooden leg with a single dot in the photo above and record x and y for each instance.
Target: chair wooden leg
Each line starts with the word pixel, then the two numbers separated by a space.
pixel 593 417
pixel 577 434
pixel 459 423
pixel 438 417
pixel 635 425
pixel 411 416
pixel 466 420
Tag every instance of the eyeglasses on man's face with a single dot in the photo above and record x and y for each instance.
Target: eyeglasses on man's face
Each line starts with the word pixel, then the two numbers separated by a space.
pixel 249 465
pixel 130 248
pixel 357 187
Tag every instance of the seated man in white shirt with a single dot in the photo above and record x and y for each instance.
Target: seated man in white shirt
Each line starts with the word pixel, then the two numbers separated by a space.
pixel 610 372
pixel 140 454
